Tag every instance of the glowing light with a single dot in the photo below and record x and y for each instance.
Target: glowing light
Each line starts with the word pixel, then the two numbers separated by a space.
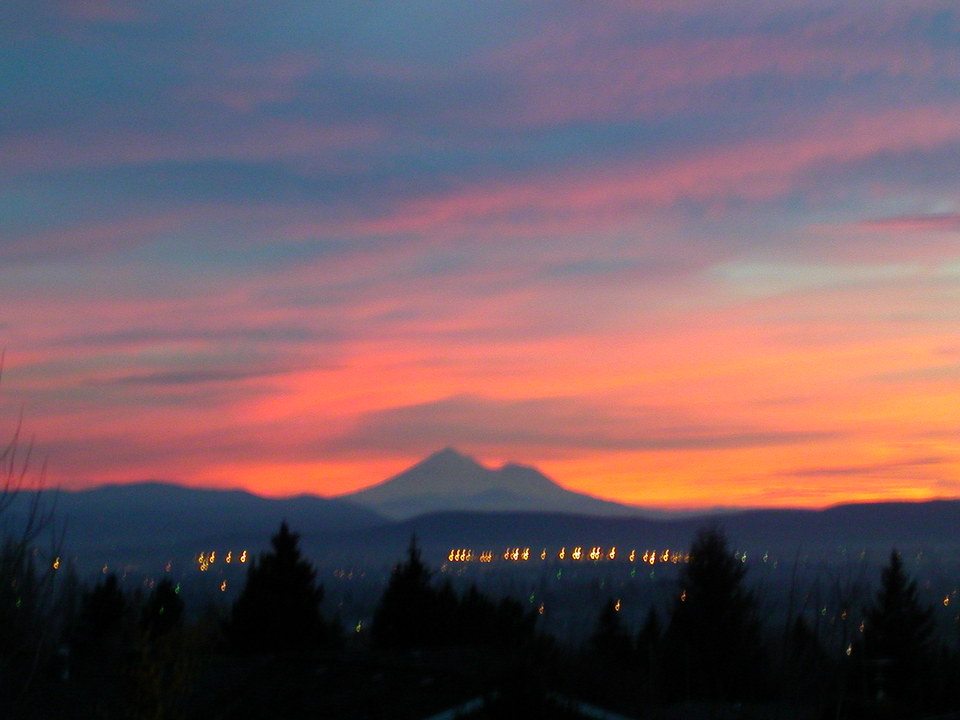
pixel 515 555
pixel 683 596
pixel 646 556
pixel 577 553
pixel 105 569
pixel 862 627
pixel 946 601
pixel 359 626
pixel 543 554
pixel 243 556
pixel 202 558
pixel 213 557
pixel 849 649
pixel 541 609
pixel 616 605
pixel 229 558
pixel 665 557
pixel 595 553
pixel 562 553
pixel 455 555
pixel 613 552
pixel 526 554
pixel 223 586
pixel 56 564
pixel 633 555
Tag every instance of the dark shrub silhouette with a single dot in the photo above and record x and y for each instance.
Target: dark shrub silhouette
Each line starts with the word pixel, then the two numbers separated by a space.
pixel 279 607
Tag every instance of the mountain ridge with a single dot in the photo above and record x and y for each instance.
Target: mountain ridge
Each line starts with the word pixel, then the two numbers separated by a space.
pixel 449 480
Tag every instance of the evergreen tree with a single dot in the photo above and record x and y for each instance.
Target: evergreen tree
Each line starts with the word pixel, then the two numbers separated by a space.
pixel 101 634
pixel 163 610
pixel 897 634
pixel 279 607
pixel 648 639
pixel 610 640
pixel 648 650
pixel 713 640
pixel 406 615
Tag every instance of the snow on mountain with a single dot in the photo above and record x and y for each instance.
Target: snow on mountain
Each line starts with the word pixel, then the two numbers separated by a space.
pixel 450 480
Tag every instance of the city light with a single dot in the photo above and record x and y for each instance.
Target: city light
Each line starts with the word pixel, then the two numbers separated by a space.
pixel 517 553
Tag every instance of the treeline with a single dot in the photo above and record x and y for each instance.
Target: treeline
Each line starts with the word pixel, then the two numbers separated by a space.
pixel 100 651
pixel 714 651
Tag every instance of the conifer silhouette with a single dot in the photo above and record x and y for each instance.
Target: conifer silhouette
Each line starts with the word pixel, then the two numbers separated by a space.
pixel 279 607
pixel 610 640
pixel 713 639
pixel 405 616
pixel 163 610
pixel 897 634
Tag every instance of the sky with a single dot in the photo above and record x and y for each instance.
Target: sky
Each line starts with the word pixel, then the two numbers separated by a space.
pixel 677 253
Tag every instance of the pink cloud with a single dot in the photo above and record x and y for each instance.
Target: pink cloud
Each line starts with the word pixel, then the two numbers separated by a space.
pixel 92 239
pixel 273 140
pixel 597 70
pixel 100 10
pixel 758 169
pixel 949 222
pixel 245 86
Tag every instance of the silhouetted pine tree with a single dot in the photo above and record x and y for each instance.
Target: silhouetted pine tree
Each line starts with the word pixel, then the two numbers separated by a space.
pixel 610 640
pixel 898 635
pixel 279 607
pixel 101 634
pixel 406 615
pixel 648 651
pixel 712 643
pixel 163 610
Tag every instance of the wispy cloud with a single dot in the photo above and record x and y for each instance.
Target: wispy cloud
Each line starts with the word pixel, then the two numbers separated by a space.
pixel 684 251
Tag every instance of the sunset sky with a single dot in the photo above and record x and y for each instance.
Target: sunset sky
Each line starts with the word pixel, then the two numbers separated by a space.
pixel 676 253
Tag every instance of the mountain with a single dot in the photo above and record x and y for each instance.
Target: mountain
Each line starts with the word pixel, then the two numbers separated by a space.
pixel 449 480
pixel 146 520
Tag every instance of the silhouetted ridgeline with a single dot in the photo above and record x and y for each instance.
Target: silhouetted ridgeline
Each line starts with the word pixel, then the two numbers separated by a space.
pixel 148 524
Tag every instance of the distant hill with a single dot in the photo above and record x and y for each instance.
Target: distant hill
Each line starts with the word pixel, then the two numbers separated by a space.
pixel 152 519
pixel 836 531
pixel 144 524
pixel 451 481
